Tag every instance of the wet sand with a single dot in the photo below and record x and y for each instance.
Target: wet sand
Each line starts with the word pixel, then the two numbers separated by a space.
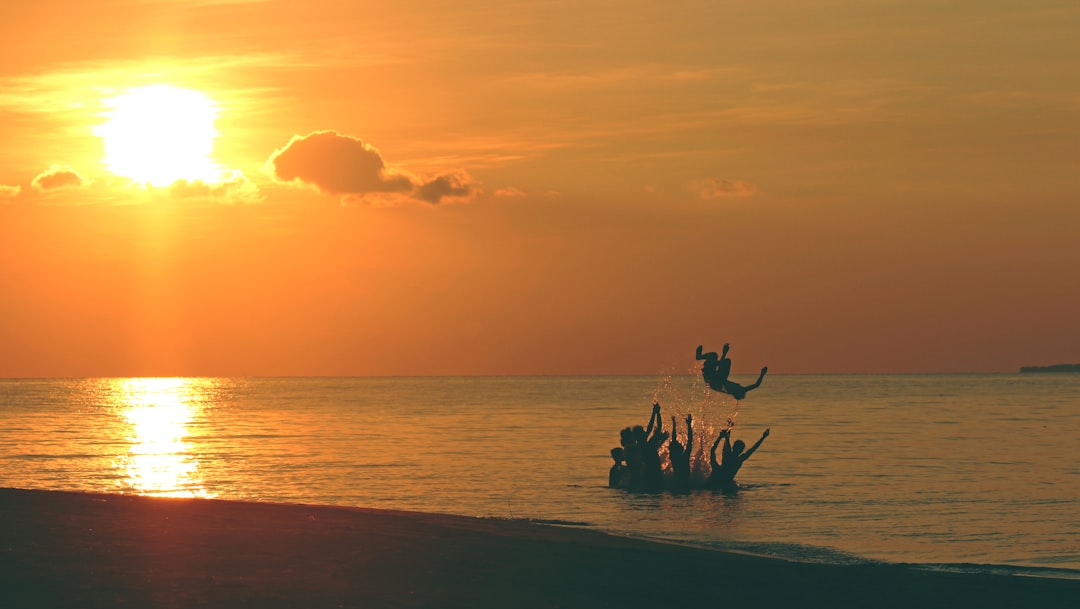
pixel 89 550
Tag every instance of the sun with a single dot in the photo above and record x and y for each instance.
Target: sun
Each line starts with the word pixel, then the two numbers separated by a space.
pixel 158 134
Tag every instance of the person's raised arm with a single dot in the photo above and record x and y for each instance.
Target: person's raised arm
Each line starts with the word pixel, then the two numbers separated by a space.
pixel 653 418
pixel 698 354
pixel 659 422
pixel 674 430
pixel 712 454
pixel 689 432
pixel 747 454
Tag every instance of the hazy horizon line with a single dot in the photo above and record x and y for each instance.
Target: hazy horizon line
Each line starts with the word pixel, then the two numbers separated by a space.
pixel 479 376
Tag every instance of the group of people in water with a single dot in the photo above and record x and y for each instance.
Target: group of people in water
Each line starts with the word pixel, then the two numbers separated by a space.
pixel 638 463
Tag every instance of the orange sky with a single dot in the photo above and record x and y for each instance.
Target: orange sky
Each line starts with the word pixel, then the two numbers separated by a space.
pixel 432 187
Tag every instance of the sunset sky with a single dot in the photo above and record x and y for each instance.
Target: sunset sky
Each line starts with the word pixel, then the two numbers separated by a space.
pixel 427 187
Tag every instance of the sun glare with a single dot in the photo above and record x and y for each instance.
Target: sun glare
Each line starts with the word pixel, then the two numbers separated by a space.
pixel 159 411
pixel 159 134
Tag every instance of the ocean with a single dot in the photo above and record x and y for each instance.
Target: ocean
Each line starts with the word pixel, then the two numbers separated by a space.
pixel 961 472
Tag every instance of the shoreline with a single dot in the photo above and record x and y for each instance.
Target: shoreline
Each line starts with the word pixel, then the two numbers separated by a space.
pixel 72 549
pixel 1003 570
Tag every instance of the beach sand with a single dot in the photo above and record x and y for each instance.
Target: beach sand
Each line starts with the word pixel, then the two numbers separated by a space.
pixel 91 550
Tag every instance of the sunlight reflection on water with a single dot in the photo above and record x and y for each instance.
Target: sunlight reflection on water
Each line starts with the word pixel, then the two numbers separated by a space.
pixel 157 412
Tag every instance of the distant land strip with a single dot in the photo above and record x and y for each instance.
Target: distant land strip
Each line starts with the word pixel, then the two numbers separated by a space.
pixel 1054 368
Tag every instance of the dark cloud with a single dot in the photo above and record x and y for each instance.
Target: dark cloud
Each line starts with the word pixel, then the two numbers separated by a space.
pixel 335 164
pixel 59 177
pixel 235 189
pixel 9 192
pixel 458 186
pixel 712 188
pixel 344 165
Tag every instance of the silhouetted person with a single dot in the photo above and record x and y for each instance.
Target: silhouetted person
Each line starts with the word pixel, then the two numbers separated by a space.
pixel 716 370
pixel 723 472
pixel 650 440
pixel 618 471
pixel 641 451
pixel 632 452
pixel 680 455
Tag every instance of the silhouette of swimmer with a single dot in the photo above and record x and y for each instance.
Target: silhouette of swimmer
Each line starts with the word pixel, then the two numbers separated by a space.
pixel 618 474
pixel 680 455
pixel 650 440
pixel 635 465
pixel 717 369
pixel 723 472
pixel 641 448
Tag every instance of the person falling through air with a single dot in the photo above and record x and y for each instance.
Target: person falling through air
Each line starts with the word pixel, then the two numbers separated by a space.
pixel 715 372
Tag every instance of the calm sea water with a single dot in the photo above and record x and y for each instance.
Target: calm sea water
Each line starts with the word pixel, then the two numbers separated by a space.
pixel 972 471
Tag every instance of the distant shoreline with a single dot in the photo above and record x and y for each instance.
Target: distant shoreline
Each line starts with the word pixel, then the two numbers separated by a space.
pixel 1050 369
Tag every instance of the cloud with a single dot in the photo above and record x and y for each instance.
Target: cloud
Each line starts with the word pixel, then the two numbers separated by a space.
pixel 58 177
pixel 9 192
pixel 237 188
pixel 340 164
pixel 712 188
pixel 457 186
pixel 626 75
pixel 510 193
pixel 335 164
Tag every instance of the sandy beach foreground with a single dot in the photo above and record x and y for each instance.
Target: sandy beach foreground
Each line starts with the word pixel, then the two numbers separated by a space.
pixel 89 550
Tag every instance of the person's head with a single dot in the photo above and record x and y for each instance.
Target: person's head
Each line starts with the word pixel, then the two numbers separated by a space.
pixel 618 454
pixel 738 394
pixel 738 446
pixel 626 437
pixel 675 448
pixel 711 358
pixel 639 433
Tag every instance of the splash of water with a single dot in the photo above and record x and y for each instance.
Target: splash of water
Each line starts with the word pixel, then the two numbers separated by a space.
pixel 712 413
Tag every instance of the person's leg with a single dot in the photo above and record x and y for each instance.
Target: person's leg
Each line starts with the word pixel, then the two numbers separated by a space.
pixel 759 379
